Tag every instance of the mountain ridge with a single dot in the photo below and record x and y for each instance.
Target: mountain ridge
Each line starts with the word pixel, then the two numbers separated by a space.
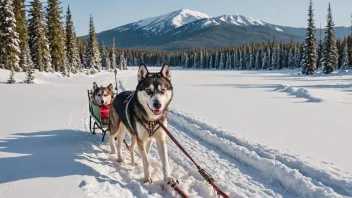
pixel 185 29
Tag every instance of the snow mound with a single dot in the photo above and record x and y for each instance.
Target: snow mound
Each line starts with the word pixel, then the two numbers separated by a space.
pixel 298 92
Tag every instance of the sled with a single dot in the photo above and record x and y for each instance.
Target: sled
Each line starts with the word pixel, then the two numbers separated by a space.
pixel 95 121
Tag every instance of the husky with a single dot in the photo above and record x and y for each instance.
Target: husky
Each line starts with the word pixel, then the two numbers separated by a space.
pixel 137 112
pixel 103 97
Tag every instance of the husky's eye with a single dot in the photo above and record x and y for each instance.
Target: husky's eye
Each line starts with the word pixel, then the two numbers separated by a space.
pixel 99 95
pixel 149 91
pixel 163 91
pixel 105 95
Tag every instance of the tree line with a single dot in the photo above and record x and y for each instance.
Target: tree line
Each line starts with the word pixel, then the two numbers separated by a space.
pixel 46 43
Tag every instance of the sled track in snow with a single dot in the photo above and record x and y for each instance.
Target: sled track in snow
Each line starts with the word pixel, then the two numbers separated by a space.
pixel 331 179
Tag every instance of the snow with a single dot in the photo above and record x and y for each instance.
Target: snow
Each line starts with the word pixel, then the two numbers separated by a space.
pixel 258 133
pixel 175 19
pixel 179 18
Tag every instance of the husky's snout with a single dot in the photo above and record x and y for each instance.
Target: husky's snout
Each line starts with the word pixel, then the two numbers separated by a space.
pixel 156 104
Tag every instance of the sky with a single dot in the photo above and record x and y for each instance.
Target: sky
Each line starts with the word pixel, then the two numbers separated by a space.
pixel 109 14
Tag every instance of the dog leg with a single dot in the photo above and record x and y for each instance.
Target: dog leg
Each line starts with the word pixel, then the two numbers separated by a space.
pixel 133 144
pixel 162 150
pixel 112 144
pixel 120 136
pixel 142 151
pixel 149 145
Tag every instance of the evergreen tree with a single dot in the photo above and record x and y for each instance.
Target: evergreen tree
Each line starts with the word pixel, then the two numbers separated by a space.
pixel 28 65
pixel 344 60
pixel 330 56
pixel 195 60
pixel 9 42
pixel 21 28
pixel 257 60
pixel 227 61
pixel 234 62
pixel 211 65
pixel 38 43
pixel 349 40
pixel 201 59
pixel 216 63
pixel 290 59
pixel 310 56
pixel 250 58
pixel 113 54
pixel 92 51
pixel 55 35
pixel 241 64
pixel 273 59
pixel 221 61
pixel 12 80
pixel 73 59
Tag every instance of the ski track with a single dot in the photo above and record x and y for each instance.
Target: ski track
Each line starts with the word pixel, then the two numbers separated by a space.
pixel 240 168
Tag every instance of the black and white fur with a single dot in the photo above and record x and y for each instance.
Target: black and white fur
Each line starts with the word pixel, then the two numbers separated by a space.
pixel 135 110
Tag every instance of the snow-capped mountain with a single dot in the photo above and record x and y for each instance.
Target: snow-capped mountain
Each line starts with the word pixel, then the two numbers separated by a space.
pixel 186 29
pixel 164 23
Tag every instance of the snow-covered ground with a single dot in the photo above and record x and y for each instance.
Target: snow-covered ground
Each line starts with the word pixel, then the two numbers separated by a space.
pixel 260 134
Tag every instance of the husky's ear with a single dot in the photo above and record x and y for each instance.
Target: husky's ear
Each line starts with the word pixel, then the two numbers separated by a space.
pixel 95 86
pixel 165 71
pixel 110 87
pixel 142 72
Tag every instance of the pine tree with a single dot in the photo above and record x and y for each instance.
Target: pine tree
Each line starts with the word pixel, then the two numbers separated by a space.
pixel 29 66
pixel 216 63
pixel 310 54
pixel 227 61
pixel 221 61
pixel 12 80
pixel 273 59
pixel 55 34
pixel 330 56
pixel 235 60
pixel 290 59
pixel 211 65
pixel 38 43
pixel 105 57
pixel 257 60
pixel 349 40
pixel 250 58
pixel 73 60
pixel 113 55
pixel 201 59
pixel 9 42
pixel 92 51
pixel 195 60
pixel 344 60
pixel 21 28
pixel 241 64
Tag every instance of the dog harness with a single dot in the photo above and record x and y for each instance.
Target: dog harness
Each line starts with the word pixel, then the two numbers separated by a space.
pixel 122 103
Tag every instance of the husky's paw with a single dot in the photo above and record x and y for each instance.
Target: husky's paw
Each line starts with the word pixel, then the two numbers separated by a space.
pixel 120 160
pixel 148 180
pixel 170 180
pixel 112 151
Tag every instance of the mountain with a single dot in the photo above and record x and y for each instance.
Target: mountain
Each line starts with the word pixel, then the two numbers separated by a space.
pixel 186 29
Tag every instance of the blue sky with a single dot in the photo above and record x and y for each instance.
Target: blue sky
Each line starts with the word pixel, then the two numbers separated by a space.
pixel 109 14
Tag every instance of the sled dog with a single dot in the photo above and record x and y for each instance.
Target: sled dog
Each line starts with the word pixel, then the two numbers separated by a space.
pixel 138 113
